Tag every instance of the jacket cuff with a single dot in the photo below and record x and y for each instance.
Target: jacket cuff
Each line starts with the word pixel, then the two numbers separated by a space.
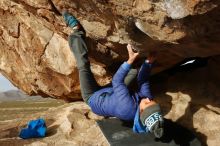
pixel 146 62
pixel 126 66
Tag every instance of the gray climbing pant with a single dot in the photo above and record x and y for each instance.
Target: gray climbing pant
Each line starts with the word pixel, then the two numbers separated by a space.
pixel 88 84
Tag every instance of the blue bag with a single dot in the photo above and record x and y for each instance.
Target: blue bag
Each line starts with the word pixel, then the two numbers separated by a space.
pixel 36 128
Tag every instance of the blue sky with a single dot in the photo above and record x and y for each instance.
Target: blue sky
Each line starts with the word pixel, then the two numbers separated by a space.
pixel 5 85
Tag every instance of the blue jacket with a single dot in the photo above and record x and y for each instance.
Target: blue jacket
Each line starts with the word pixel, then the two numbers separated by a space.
pixel 118 101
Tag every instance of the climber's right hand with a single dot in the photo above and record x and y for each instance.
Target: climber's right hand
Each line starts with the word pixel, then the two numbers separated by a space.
pixel 132 55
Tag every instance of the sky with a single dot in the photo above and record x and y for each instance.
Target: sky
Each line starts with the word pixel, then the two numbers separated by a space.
pixel 5 85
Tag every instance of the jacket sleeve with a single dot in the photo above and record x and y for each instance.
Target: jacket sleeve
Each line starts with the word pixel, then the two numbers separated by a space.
pixel 120 75
pixel 143 80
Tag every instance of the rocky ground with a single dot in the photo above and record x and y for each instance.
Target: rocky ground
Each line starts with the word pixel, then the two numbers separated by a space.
pixel 36 57
pixel 70 124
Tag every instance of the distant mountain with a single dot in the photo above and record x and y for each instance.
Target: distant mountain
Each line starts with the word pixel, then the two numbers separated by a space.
pixel 16 95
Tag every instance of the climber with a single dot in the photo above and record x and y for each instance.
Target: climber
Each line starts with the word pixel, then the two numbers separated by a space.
pixel 117 100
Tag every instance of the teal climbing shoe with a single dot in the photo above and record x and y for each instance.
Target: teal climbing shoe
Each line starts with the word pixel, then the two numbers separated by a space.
pixel 70 20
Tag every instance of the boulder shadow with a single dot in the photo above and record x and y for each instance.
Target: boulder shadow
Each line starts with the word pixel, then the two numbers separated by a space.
pixel 51 129
pixel 120 132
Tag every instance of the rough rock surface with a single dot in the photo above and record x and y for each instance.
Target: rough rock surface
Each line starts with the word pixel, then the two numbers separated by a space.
pixel 35 56
pixel 68 125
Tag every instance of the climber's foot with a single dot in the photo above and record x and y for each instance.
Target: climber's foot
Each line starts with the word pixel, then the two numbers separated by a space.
pixel 70 20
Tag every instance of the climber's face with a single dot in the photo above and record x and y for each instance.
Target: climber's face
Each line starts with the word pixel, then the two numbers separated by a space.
pixel 145 102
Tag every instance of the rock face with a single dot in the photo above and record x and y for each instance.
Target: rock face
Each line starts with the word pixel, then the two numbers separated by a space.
pixel 191 97
pixel 35 56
